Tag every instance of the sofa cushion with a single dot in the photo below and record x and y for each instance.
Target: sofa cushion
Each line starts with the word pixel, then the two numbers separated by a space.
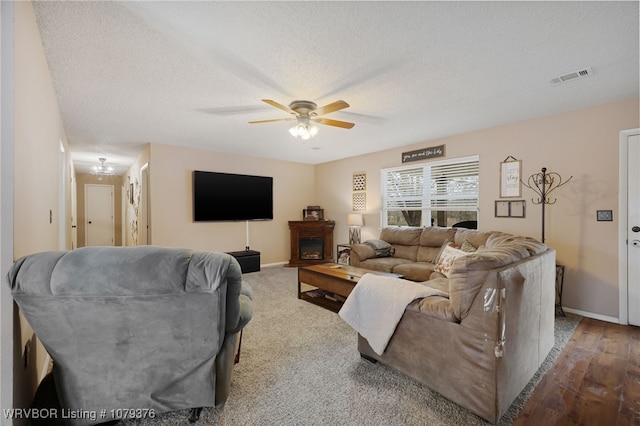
pixel 141 270
pixel 476 238
pixel 466 246
pixel 431 241
pixel 415 271
pixel 382 264
pixel 434 306
pixel 406 235
pixel 405 241
pixel 439 283
pixel 532 246
pixel 446 259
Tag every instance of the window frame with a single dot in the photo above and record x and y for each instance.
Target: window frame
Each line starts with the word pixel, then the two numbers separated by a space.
pixel 426 195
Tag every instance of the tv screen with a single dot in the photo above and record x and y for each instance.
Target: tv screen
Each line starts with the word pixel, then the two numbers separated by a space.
pixel 231 197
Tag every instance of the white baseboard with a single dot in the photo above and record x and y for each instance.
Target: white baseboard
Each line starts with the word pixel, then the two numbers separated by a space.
pixel 268 265
pixel 592 315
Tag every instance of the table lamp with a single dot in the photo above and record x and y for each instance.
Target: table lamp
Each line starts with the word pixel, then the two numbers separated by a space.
pixel 354 220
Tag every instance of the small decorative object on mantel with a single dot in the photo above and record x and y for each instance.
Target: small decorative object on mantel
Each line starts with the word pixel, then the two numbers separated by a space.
pixel 543 184
pixel 424 153
pixel 313 213
pixel 510 177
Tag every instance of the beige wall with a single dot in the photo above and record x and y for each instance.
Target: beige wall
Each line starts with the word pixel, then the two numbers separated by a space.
pixel 37 177
pixel 582 144
pixel 172 223
pixel 84 179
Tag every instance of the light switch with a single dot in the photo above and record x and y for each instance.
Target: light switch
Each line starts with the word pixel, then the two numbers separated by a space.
pixel 605 215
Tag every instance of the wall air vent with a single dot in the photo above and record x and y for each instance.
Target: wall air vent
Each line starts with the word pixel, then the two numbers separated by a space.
pixel 585 72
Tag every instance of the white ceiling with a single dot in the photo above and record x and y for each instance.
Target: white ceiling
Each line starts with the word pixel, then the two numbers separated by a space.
pixel 193 73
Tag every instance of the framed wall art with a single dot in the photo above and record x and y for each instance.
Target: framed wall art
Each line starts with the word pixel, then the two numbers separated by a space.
pixel 360 181
pixel 515 208
pixel 510 178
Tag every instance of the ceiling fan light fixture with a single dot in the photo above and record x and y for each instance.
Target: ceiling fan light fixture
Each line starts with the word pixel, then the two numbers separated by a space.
pixel 102 169
pixel 303 130
pixel 304 112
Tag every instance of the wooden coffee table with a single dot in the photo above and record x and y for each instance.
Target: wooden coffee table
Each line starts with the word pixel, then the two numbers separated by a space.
pixel 333 282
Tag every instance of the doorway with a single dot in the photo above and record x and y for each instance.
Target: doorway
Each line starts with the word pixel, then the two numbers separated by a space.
pixel 629 251
pixel 99 215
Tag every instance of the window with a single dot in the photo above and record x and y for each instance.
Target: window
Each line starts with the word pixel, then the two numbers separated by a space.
pixel 438 193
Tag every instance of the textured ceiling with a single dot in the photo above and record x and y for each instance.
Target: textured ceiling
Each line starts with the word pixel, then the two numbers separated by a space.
pixel 193 73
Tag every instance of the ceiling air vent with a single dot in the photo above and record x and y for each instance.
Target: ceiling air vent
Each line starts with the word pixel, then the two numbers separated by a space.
pixel 585 72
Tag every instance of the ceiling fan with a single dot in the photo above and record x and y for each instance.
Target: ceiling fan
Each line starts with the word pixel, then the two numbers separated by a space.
pixel 306 113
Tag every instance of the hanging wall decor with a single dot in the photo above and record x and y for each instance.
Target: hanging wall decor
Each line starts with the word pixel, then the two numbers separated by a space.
pixel 424 153
pixel 359 181
pixel 510 178
pixel 359 201
pixel 359 185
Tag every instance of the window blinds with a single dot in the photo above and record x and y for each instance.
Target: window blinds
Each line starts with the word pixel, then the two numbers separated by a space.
pixel 445 185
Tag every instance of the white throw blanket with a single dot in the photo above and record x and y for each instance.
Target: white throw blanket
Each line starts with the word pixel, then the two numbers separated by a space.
pixel 377 303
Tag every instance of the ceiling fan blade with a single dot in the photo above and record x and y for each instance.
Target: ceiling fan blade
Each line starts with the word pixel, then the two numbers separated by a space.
pixel 279 106
pixel 336 123
pixel 234 110
pixel 334 106
pixel 271 121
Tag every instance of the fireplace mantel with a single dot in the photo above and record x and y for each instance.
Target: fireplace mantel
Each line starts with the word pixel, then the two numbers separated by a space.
pixel 311 242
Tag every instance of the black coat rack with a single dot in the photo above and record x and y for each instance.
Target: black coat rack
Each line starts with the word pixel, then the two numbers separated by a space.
pixel 543 184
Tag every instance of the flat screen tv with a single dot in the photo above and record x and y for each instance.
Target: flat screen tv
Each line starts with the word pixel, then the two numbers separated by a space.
pixel 231 197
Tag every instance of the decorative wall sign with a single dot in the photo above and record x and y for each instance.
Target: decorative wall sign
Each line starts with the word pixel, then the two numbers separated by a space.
pixel 359 181
pixel 510 178
pixel 359 201
pixel 423 154
pixel 515 208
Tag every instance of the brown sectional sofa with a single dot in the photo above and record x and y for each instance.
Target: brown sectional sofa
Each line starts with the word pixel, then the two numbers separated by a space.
pixel 480 346
pixel 416 249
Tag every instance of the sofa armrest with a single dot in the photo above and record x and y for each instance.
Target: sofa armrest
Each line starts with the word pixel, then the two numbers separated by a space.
pixel 225 359
pixel 246 310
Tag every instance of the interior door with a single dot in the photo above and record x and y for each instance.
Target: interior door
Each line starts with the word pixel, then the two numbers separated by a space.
pixel 633 229
pixel 100 223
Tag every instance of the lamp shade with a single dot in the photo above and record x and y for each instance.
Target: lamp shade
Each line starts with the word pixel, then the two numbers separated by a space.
pixel 354 219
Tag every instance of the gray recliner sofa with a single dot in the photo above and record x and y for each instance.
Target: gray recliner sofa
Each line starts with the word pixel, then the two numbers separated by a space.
pixel 145 328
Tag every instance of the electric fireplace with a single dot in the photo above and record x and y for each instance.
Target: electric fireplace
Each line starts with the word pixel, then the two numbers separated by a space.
pixel 311 242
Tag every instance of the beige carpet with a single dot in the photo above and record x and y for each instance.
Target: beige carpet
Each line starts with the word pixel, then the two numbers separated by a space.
pixel 300 366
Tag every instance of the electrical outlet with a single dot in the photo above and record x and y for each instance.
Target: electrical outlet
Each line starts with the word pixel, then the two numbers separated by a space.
pixel 604 215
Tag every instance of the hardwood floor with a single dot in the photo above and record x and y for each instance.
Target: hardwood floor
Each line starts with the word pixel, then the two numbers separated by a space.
pixel 595 381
